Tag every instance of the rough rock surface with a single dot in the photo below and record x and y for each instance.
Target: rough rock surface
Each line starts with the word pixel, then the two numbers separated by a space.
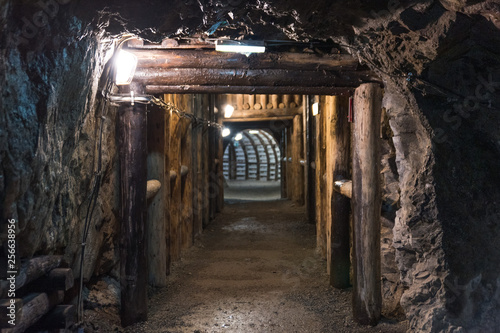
pixel 440 64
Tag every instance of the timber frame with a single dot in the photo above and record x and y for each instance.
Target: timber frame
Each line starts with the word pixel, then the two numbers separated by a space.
pixel 171 69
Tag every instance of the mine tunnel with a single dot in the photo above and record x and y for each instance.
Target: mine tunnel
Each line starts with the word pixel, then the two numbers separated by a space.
pixel 258 166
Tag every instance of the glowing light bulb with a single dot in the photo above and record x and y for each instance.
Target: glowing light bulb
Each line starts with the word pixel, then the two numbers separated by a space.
pixel 228 111
pixel 225 132
pixel 238 137
pixel 125 64
pixel 315 109
pixel 254 131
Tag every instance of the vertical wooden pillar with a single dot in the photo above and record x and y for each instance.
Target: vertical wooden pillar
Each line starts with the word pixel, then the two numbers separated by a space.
pixel 220 166
pixel 275 101
pixel 206 164
pixel 297 174
pixel 175 186
pixel 158 209
pixel 320 165
pixel 283 163
pixel 366 202
pixel 132 146
pixel 310 156
pixel 186 185
pixel 197 168
pixel 338 242
pixel 212 150
pixel 289 168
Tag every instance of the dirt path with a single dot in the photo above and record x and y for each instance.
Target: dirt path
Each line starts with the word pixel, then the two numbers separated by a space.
pixel 253 270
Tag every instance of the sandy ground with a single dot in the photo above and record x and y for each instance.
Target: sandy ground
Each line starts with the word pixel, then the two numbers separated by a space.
pixel 251 190
pixel 254 269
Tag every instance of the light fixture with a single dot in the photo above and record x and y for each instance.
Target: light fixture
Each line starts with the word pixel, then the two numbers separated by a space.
pixel 228 111
pixel 315 109
pixel 125 64
pixel 254 131
pixel 225 132
pixel 238 137
pixel 244 47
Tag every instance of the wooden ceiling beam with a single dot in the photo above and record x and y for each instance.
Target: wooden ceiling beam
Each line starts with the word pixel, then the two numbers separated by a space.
pixel 222 60
pixel 230 89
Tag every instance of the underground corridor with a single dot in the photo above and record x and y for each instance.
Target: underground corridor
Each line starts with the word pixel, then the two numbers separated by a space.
pixel 258 166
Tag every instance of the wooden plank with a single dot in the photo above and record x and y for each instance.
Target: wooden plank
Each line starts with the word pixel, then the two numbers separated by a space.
pixel 338 243
pixel 297 169
pixel 132 143
pixel 344 187
pixel 175 186
pixel 197 167
pixel 212 151
pixel 159 207
pixel 219 165
pixel 320 184
pixel 284 185
pixel 234 89
pixel 187 236
pixel 268 60
pixel 264 113
pixel 252 77
pixel 366 200
pixel 10 311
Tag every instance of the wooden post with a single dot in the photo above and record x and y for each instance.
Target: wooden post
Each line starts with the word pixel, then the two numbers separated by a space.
pixel 338 243
pixel 320 183
pixel 275 101
pixel 366 203
pixel 311 159
pixel 158 210
pixel 175 186
pixel 212 150
pixel 297 168
pixel 132 146
pixel 219 165
pixel 186 184
pixel 251 101
pixel 284 185
pixel 289 168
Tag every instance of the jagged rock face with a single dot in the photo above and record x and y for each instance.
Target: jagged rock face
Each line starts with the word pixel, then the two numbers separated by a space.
pixel 440 64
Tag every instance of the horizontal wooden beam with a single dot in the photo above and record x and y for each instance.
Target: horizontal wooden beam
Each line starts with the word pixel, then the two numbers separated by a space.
pixel 232 89
pixel 268 60
pixel 242 120
pixel 252 77
pixel 263 113
pixel 343 187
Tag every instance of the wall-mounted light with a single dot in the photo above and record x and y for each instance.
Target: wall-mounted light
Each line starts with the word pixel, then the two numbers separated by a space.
pixel 228 111
pixel 238 137
pixel 315 109
pixel 225 132
pixel 125 64
pixel 254 131
pixel 244 47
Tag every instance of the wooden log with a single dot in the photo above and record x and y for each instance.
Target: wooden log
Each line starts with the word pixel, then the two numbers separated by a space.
pixel 56 279
pixel 268 60
pixel 269 106
pixel 213 179
pixel 132 143
pixel 10 311
pixel 320 165
pixel 297 170
pixel 35 305
pixel 257 113
pixel 366 202
pixel 175 186
pixel 220 167
pixel 159 206
pixel 339 240
pixel 153 186
pixel 198 104
pixel 284 185
pixel 31 270
pixel 206 112
pixel 287 98
pixel 187 235
pixel 289 167
pixel 243 120
pixel 263 100
pixel 239 102
pixel 242 77
pixel 275 100
pixel 311 162
pixel 221 89
pixel 251 101
pixel 173 175
pixel 297 99
pixel 61 317
pixel 344 187
pixel 257 106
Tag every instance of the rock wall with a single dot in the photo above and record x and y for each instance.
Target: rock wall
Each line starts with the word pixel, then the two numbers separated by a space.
pixel 440 64
pixel 52 62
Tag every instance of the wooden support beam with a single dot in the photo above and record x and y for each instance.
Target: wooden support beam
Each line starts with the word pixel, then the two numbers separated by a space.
pixel 268 60
pixel 10 310
pixel 219 165
pixel 297 169
pixel 344 187
pixel 152 188
pixel 245 120
pixel 366 202
pixel 175 185
pixel 264 113
pixel 339 150
pixel 198 103
pixel 284 185
pixel 132 146
pixel 187 184
pixel 311 160
pixel 35 305
pixel 251 77
pixel 233 89
pixel 212 151
pixel 320 184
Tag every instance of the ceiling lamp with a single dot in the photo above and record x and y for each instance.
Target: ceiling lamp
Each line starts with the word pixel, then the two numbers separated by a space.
pixel 228 111
pixel 244 47
pixel 225 132
pixel 238 137
pixel 315 109
pixel 125 64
